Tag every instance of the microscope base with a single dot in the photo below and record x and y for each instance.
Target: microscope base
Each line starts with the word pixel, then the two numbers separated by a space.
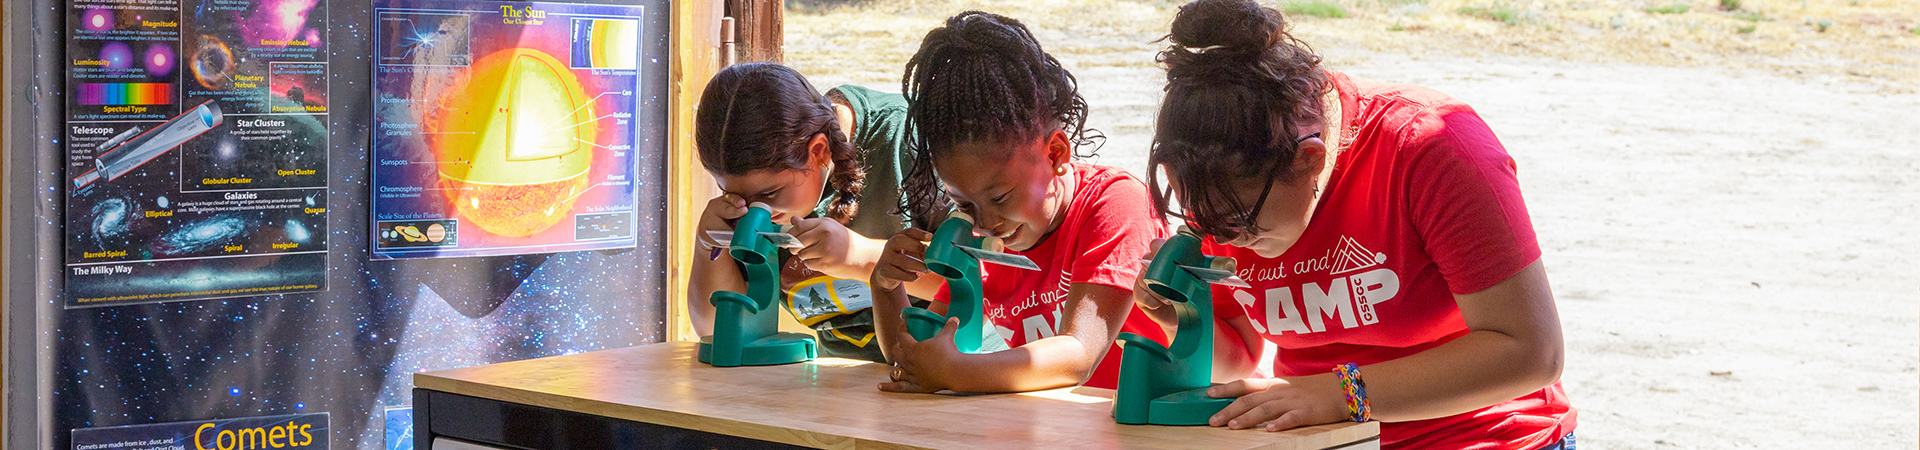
pixel 772 350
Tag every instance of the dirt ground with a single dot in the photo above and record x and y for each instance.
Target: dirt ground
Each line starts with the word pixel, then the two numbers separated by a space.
pixel 1734 241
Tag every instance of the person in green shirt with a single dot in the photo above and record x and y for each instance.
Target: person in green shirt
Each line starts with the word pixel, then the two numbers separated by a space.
pixel 830 165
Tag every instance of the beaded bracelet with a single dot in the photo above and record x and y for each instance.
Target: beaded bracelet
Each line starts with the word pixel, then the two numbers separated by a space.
pixel 1358 409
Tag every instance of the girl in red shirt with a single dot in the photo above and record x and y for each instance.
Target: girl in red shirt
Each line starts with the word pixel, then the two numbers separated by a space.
pixel 998 120
pixel 1392 260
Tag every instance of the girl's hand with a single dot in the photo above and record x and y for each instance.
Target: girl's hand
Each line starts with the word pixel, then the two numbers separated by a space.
pixel 717 217
pixel 923 366
pixel 1281 403
pixel 902 261
pixel 1150 302
pixel 1141 294
pixel 828 244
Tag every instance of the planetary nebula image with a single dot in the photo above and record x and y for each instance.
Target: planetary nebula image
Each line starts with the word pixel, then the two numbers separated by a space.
pixel 514 140
pixel 213 64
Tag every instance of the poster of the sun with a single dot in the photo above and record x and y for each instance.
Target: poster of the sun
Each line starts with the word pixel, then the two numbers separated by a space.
pixel 503 127
pixel 196 139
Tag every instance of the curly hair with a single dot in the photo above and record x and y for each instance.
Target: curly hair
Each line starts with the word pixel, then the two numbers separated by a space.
pixel 760 116
pixel 982 78
pixel 1238 84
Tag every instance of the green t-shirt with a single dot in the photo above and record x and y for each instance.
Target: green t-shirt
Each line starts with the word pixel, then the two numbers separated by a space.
pixel 880 136
pixel 841 311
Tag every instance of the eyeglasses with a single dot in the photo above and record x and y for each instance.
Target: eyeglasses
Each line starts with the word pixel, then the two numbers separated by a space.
pixel 1245 223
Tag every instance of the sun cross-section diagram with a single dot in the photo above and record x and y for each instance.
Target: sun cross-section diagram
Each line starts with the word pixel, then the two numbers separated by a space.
pixel 504 128
pixel 521 137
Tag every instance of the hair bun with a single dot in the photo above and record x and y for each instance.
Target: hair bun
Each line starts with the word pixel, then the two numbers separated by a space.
pixel 1231 26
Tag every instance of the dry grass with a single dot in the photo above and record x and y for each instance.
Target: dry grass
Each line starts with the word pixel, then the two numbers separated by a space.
pixel 1868 39
pixel 869 42
pixel 1876 41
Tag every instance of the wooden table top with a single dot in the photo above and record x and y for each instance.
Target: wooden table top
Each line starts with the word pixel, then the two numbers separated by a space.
pixel 834 403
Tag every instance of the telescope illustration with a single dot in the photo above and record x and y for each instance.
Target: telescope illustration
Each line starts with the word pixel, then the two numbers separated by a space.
pixel 131 149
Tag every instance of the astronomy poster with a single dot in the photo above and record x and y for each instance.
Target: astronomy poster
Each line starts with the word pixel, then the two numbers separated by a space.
pixel 503 128
pixel 196 140
pixel 341 359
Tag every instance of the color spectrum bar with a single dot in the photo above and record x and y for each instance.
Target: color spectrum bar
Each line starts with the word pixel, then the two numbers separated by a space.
pixel 125 93
pixel 606 44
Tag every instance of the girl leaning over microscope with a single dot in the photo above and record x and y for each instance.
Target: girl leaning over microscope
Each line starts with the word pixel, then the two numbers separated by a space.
pixel 996 123
pixel 829 165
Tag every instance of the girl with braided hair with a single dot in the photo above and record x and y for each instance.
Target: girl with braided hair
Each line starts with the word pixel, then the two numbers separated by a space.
pixel 995 123
pixel 1381 226
pixel 830 165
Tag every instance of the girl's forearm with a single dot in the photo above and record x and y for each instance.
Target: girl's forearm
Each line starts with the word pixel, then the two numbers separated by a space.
pixel 1479 369
pixel 862 255
pixel 1236 351
pixel 1515 348
pixel 709 276
pixel 1044 364
pixel 927 287
pixel 1166 316
pixel 1093 315
pixel 887 322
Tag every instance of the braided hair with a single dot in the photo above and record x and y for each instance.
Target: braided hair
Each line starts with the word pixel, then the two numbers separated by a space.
pixel 1237 86
pixel 761 116
pixel 982 78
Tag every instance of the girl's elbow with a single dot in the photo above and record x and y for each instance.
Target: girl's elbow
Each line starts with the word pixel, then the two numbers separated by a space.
pixel 1533 362
pixel 1548 366
pixel 1080 373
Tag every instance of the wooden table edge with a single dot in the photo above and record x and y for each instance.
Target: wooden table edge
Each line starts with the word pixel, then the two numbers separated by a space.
pixel 1336 434
pixel 645 414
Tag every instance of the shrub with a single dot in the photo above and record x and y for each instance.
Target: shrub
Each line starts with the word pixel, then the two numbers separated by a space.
pixel 1502 14
pixel 1315 8
pixel 1676 8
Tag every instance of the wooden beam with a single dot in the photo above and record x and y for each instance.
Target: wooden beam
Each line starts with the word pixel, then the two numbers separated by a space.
pixel 696 57
pixel 761 36
pixel 6 119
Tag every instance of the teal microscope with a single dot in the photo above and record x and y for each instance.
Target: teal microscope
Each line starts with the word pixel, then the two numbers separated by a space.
pixel 955 253
pixel 746 326
pixel 1168 385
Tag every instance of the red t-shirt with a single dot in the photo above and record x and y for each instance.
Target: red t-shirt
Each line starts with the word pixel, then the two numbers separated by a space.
pixel 1109 225
pixel 1422 205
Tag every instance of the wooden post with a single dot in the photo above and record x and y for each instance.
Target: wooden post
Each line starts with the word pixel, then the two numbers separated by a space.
pixel 696 57
pixel 760 33
pixel 6 120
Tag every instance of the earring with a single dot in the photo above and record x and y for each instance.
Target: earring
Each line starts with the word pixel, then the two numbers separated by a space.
pixel 1060 170
pixel 826 176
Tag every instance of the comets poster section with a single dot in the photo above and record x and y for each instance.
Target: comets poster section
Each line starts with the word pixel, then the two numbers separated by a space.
pixel 503 128
pixel 196 140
